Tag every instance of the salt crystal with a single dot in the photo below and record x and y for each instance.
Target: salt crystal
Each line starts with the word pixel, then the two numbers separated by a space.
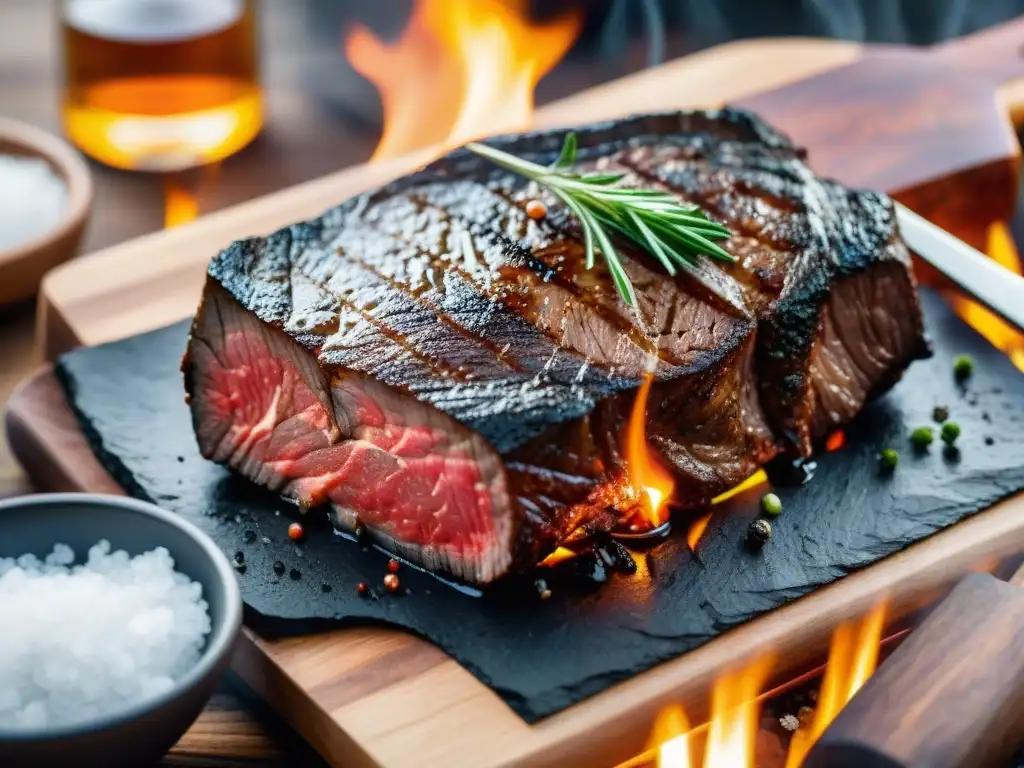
pixel 33 200
pixel 79 642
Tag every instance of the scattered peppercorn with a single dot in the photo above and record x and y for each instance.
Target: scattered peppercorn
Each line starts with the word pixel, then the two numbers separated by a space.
pixel 759 532
pixel 295 531
pixel 771 504
pixel 325 587
pixel 963 366
pixel 391 583
pixel 240 567
pixel 249 536
pixel 922 437
pixel 950 432
pixel 940 413
pixel 278 567
pixel 239 557
pixel 392 565
pixel 363 589
pixel 989 441
pixel 536 210
pixel 889 458
pixel 295 574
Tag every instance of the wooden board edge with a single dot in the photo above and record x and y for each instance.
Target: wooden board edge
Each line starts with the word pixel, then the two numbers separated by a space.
pixel 611 726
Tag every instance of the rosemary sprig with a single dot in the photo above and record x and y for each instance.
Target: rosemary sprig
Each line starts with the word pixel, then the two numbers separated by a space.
pixel 672 232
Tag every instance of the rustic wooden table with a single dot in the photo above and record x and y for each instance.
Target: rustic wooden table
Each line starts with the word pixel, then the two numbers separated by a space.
pixel 306 136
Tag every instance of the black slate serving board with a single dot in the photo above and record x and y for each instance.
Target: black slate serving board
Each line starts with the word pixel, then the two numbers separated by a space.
pixel 129 399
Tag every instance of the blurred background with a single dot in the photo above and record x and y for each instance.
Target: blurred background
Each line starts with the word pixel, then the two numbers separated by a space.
pixel 189 106
pixel 321 114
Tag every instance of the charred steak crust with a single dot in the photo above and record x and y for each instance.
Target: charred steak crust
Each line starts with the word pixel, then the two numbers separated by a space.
pixel 430 338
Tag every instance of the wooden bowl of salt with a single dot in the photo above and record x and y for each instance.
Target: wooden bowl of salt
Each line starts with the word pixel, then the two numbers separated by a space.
pixel 46 195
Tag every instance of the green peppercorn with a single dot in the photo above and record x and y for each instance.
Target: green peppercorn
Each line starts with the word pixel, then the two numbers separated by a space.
pixel 889 458
pixel 950 432
pixel 922 437
pixel 771 504
pixel 963 366
pixel 940 413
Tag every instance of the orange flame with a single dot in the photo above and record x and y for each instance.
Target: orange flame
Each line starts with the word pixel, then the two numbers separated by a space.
pixel 1001 335
pixel 651 482
pixel 459 71
pixel 732 730
pixel 560 555
pixel 734 716
pixel 180 205
pixel 669 737
pixel 696 531
pixel 851 661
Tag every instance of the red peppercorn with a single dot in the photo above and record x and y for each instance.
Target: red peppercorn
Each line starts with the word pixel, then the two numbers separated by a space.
pixel 362 589
pixel 392 566
pixel 391 583
pixel 295 531
pixel 536 210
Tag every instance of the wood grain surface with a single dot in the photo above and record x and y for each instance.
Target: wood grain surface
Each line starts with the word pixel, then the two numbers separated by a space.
pixel 374 697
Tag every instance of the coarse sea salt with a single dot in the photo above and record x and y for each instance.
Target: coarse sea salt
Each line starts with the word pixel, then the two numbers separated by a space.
pixel 33 200
pixel 81 641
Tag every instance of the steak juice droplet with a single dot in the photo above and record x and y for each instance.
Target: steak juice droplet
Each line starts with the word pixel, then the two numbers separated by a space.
pixel 160 85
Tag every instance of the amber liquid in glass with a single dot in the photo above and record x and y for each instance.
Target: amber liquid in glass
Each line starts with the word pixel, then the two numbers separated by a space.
pixel 160 85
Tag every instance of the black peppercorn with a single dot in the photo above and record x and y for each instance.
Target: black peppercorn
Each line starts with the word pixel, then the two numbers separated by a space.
pixel 759 532
pixel 278 567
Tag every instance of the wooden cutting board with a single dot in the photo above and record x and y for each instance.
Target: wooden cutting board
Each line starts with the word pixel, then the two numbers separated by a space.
pixel 932 126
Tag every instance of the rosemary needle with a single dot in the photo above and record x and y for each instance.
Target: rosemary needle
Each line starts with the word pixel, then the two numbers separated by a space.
pixel 672 232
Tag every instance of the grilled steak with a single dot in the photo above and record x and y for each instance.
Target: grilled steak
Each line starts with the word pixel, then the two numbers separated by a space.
pixel 442 372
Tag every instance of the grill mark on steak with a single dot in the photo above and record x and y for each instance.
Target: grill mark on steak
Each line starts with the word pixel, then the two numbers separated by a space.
pixel 479 308
pixel 509 373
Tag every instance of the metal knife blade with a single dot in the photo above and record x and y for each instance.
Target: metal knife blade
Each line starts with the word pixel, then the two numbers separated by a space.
pixel 985 280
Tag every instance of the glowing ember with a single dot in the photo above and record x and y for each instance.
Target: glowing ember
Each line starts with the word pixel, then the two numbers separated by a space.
pixel 835 441
pixel 751 482
pixel 1002 335
pixel 558 556
pixel 652 484
pixel 459 71
pixel 696 531
pixel 851 661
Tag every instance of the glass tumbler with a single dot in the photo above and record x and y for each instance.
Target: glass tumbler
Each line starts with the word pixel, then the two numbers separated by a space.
pixel 160 85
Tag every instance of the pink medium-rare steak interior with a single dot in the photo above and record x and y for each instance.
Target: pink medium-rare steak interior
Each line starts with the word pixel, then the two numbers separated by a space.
pixel 425 487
